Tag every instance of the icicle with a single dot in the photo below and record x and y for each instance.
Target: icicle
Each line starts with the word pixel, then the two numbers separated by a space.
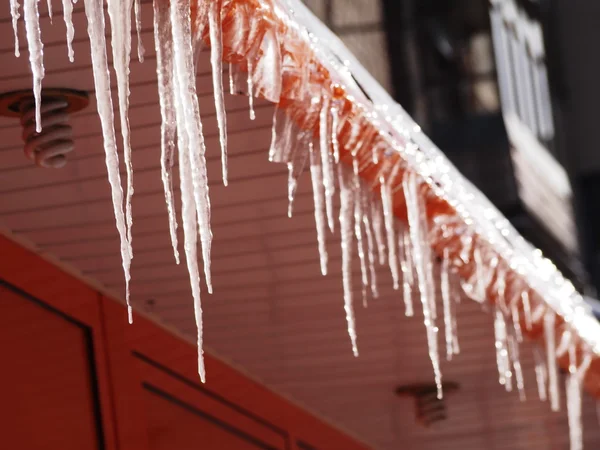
pixel 513 349
pixel 410 185
pixel 326 164
pixel 516 320
pixel 186 82
pixel 549 336
pixel 574 388
pixel 68 18
pixel 95 16
pixel 358 215
pixel 14 12
pixel 36 54
pixel 49 5
pixel 232 89
pixel 346 217
pixel 501 344
pixel 316 175
pixel 334 131
pixel 388 220
pixel 168 130
pixel 296 168
pixel 447 301
pixel 370 243
pixel 188 218
pixel 138 28
pixel 406 269
pixel 527 310
pixel 251 89
pixel 377 219
pixel 216 53
pixel 481 288
pixel 541 373
pixel 119 12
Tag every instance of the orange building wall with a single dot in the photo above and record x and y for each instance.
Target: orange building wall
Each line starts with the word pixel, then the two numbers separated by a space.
pixel 75 375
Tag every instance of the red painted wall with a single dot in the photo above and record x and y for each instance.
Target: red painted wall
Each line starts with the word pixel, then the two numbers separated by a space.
pixel 75 375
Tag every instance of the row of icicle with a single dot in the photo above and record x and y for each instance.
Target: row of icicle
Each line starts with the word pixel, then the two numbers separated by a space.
pixel 363 219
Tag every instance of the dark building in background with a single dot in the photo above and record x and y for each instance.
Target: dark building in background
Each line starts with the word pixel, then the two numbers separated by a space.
pixel 477 76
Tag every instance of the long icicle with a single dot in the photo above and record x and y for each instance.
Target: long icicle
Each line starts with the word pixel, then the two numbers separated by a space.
pixel 527 310
pixel 377 220
pixel 138 29
pixel 574 388
pixel 189 220
pixel 316 176
pixel 346 217
pixel 410 185
pixel 541 373
pixel 549 336
pixel 251 89
pixel 326 163
pixel 388 219
pixel 216 62
pixel 119 12
pixel 50 13
pixel 186 80
pixel 513 349
pixel 296 167
pixel 166 94
pixel 95 15
pixel 447 302
pixel 360 246
pixel 407 273
pixel 501 344
pixel 68 18
pixel 36 54
pixel 366 218
pixel 14 13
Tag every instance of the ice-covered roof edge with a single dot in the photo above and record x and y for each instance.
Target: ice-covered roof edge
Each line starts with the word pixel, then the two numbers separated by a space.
pixel 429 161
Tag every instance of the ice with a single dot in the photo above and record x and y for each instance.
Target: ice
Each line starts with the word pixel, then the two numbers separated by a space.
pixel 168 130
pixel 358 222
pixel 186 82
pixel 49 6
pixel 541 373
pixel 14 12
pixel 316 176
pixel 501 344
pixel 189 220
pixel 346 217
pixel 574 390
pixel 326 163
pixel 549 336
pixel 516 320
pixel 406 267
pixel 388 219
pixel 377 220
pixel 95 16
pixel 138 29
pixel 366 218
pixel 68 18
pixel 36 54
pixel 216 53
pixel 119 12
pixel 527 310
pixel 251 89
pixel 296 167
pixel 334 132
pixel 418 241
pixel 231 82
pixel 447 302
pixel 513 348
